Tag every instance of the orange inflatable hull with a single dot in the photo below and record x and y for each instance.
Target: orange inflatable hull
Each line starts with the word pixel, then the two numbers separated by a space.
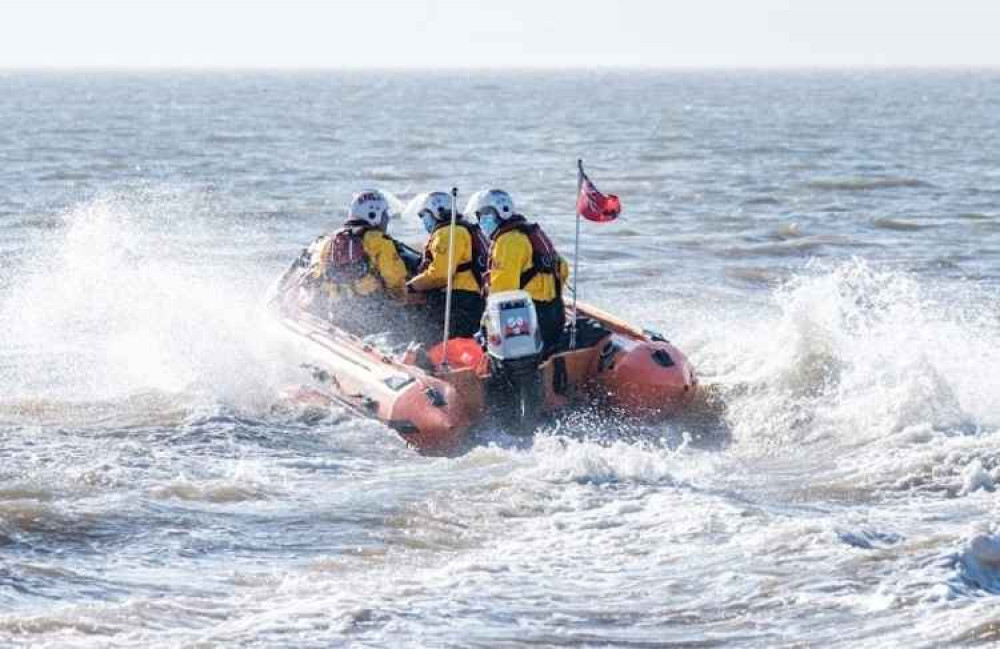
pixel 433 408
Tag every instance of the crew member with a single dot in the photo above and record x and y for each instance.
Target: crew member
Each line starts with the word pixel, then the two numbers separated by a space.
pixel 356 273
pixel 522 257
pixel 468 265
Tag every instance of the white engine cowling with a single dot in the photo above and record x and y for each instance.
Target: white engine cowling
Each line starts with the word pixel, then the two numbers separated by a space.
pixel 512 330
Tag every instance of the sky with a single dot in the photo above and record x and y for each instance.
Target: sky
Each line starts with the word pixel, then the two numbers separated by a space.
pixel 497 34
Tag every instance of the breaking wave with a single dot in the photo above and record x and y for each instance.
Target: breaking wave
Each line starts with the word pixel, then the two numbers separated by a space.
pixel 898 380
pixel 127 296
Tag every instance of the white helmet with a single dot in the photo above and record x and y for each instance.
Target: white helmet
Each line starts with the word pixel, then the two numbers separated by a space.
pixel 436 205
pixel 370 207
pixel 432 208
pixel 485 199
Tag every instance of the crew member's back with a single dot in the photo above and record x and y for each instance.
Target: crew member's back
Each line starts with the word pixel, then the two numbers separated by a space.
pixel 523 257
pixel 468 267
pixel 357 273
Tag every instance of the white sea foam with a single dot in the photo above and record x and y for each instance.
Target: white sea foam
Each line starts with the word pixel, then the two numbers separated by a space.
pixel 113 303
pixel 879 370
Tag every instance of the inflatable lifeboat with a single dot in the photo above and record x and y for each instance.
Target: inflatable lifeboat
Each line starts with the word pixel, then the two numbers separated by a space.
pixel 434 398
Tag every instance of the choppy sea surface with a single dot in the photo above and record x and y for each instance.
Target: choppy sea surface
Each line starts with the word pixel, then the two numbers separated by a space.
pixel 824 245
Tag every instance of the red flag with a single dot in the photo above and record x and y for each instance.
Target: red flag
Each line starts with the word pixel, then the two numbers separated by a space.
pixel 595 206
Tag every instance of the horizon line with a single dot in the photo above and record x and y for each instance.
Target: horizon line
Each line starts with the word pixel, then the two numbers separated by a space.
pixel 502 68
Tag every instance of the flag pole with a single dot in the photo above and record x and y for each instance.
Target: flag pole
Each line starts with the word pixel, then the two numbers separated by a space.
pixel 576 255
pixel 451 273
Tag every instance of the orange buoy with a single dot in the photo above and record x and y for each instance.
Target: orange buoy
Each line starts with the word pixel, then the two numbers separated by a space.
pixel 462 352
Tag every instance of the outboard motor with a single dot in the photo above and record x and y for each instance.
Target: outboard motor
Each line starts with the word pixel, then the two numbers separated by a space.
pixel 514 346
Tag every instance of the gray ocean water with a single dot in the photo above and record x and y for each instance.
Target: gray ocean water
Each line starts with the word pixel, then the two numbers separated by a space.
pixel 825 246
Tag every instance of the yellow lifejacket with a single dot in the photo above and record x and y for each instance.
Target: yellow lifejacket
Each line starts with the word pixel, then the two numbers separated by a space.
pixel 516 262
pixel 357 261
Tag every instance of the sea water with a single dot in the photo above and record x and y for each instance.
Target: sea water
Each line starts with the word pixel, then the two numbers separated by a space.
pixel 824 245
